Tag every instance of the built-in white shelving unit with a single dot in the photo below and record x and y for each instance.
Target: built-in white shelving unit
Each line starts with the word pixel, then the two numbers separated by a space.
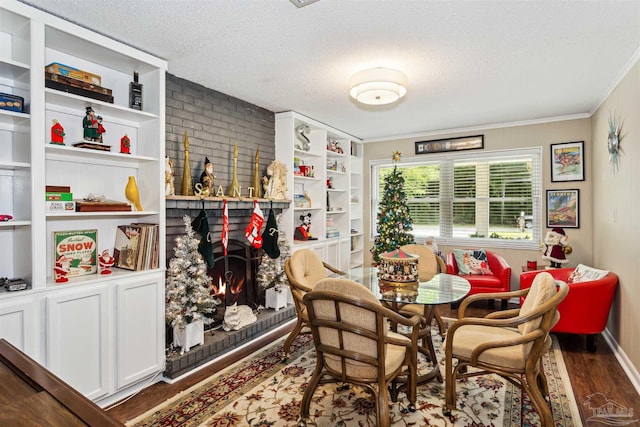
pixel 102 334
pixel 320 182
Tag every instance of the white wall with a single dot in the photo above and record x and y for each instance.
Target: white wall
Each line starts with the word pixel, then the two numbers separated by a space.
pixel 616 198
pixel 534 135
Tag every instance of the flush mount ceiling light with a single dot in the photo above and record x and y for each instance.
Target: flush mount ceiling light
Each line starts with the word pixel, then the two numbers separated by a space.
pixel 378 86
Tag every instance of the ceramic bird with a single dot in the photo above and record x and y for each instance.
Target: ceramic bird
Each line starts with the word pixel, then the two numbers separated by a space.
pixel 131 191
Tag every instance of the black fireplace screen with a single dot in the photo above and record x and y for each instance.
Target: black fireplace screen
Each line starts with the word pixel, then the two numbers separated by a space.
pixel 233 277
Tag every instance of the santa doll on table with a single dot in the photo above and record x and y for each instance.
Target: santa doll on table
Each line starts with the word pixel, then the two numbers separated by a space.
pixel 555 243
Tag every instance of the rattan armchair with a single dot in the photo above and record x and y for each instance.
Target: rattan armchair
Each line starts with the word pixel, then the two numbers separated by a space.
pixel 429 264
pixel 304 269
pixel 354 344
pixel 509 343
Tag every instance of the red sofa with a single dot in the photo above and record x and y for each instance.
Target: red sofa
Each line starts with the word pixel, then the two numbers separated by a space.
pixel 585 310
pixel 500 281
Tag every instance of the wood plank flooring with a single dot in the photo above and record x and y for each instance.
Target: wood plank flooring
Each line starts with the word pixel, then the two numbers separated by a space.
pixel 589 373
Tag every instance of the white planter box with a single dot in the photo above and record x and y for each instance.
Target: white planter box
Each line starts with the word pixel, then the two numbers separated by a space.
pixel 276 297
pixel 189 336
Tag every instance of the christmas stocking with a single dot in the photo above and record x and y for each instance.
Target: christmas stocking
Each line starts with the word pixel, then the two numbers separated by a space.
pixel 225 226
pixel 252 233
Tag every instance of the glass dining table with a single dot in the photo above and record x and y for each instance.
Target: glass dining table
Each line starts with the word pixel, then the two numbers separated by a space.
pixel 441 289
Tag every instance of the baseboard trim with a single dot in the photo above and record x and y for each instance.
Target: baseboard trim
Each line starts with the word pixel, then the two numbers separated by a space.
pixel 629 369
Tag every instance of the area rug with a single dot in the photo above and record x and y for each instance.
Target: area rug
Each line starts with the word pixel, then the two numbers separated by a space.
pixel 261 390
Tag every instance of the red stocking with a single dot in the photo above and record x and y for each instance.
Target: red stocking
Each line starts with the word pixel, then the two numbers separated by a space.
pixel 252 232
pixel 225 226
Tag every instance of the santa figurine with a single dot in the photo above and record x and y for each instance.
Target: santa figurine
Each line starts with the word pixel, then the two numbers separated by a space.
pixel 106 262
pixel 556 247
pixel 62 269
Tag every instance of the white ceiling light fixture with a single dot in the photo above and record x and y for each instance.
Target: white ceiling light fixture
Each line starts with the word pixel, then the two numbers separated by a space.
pixel 378 86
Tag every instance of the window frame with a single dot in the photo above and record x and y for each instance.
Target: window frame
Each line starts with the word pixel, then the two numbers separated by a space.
pixel 449 159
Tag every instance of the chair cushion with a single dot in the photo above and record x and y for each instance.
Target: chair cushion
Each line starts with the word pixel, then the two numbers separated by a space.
pixel 483 281
pixel 307 268
pixel 472 261
pixel 427 263
pixel 467 338
pixel 542 289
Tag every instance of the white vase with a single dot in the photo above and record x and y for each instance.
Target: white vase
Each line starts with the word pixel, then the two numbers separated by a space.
pixel 190 335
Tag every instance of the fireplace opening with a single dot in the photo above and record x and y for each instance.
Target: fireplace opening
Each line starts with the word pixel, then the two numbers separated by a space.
pixel 233 277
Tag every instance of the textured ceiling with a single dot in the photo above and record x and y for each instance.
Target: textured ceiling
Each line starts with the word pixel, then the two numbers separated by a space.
pixel 469 63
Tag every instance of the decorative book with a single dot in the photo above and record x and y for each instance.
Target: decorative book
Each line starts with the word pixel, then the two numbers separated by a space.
pixel 75 253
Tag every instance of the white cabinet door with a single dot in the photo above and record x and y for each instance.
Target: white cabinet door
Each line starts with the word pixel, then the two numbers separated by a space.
pixel 17 323
pixel 345 255
pixel 77 339
pixel 332 253
pixel 139 328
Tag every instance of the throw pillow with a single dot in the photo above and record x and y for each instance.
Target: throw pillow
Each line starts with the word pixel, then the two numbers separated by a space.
pixel 584 273
pixel 472 261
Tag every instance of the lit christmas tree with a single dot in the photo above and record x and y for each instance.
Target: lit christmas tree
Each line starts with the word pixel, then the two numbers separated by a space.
pixel 271 270
pixel 394 221
pixel 188 295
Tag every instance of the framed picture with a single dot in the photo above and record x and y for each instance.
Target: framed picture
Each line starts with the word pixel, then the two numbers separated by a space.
pixel 563 208
pixel 567 162
pixel 450 144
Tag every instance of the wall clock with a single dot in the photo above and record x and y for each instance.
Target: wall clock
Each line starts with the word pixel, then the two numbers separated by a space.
pixel 613 142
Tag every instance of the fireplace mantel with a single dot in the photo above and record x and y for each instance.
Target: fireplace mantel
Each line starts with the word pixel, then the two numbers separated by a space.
pixel 194 202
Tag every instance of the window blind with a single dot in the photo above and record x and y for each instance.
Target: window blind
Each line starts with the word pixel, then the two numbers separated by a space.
pixel 489 198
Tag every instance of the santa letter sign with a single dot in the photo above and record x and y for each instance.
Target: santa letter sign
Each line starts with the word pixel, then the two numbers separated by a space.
pixel 450 144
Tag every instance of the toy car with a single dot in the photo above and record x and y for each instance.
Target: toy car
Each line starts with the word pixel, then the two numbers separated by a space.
pixel 14 284
pixel 5 217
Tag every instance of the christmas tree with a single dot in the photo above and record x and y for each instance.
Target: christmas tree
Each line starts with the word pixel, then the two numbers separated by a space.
pixel 188 295
pixel 394 221
pixel 271 270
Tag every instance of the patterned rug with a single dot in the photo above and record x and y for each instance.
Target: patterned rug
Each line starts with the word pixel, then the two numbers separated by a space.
pixel 261 390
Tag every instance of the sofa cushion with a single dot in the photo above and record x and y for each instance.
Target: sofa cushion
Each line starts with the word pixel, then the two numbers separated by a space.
pixel 584 273
pixel 472 261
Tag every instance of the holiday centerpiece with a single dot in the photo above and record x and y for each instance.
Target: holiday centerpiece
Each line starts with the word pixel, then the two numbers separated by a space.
pixel 398 268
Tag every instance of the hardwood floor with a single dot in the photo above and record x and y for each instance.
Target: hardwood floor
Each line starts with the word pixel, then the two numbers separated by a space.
pixel 589 373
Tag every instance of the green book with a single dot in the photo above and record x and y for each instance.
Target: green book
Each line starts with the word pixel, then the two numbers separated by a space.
pixel 59 197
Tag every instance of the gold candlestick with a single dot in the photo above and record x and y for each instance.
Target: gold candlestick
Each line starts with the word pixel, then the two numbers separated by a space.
pixel 256 176
pixel 187 185
pixel 234 188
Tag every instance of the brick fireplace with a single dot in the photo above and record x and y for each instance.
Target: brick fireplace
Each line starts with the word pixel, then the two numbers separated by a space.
pixel 242 261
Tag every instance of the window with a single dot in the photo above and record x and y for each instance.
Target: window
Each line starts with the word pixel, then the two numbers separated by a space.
pixel 492 199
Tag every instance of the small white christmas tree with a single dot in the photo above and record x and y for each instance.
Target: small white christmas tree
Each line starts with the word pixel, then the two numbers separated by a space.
pixel 271 270
pixel 187 293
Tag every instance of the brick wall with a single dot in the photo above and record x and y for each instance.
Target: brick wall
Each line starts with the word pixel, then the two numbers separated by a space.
pixel 215 122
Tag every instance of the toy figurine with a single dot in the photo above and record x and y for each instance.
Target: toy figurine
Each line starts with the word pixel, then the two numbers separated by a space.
pixel 125 145
pixel 207 178
pixel 90 125
pixel 303 231
pixel 101 130
pixel 169 177
pixel 62 269
pixel 556 247
pixel 106 262
pixel 57 133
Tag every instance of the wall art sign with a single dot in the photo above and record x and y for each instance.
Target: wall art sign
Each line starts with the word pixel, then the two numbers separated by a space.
pixel 563 208
pixel 450 144
pixel 567 162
